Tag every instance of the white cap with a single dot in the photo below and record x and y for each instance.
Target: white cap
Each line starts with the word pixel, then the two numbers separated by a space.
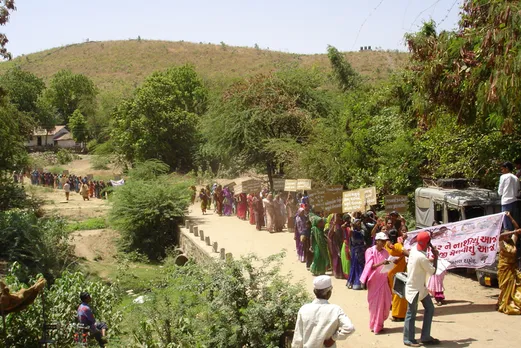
pixel 322 282
pixel 381 236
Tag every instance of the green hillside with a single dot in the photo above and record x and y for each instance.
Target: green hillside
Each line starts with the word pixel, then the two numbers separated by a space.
pixel 121 65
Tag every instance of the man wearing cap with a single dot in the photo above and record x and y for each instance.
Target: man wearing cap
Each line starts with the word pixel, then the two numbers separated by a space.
pixel 319 323
pixel 508 190
pixel 419 269
pixel 85 317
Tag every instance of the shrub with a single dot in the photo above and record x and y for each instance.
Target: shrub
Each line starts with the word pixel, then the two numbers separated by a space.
pixel 100 162
pixel 89 224
pixel 147 212
pixel 56 170
pixel 239 303
pixel 64 156
pixel 61 303
pixel 39 245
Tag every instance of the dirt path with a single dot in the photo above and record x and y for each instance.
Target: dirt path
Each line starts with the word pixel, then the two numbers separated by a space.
pixel 468 320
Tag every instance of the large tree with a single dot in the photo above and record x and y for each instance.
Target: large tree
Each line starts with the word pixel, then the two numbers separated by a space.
pixel 69 92
pixel 262 118
pixel 6 7
pixel 160 121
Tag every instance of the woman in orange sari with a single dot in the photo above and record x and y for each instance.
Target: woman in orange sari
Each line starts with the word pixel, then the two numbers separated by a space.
pixel 508 274
pixel 395 248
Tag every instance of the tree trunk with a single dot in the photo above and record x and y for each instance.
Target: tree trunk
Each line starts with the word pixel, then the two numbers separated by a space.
pixel 269 168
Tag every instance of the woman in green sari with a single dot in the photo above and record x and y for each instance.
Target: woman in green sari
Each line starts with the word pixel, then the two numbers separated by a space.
pixel 319 246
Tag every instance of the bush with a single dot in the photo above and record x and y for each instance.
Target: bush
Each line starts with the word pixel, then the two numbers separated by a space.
pixel 61 303
pixel 239 303
pixel 147 212
pixel 39 245
pixel 56 170
pixel 64 156
pixel 89 224
pixel 100 162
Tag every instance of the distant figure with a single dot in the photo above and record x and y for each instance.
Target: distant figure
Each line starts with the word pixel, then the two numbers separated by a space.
pixel 84 191
pixel 319 323
pixel 67 190
pixel 508 190
pixel 85 317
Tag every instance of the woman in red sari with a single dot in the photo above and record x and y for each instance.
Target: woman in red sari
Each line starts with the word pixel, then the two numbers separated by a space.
pixel 242 206
pixel 218 199
pixel 251 211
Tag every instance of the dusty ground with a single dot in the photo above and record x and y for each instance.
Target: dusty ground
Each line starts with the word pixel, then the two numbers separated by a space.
pixel 468 319
pixel 95 245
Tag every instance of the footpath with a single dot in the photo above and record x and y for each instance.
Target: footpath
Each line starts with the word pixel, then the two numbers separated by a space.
pixel 469 318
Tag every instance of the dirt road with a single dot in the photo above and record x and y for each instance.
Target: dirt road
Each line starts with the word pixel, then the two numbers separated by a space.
pixel 468 319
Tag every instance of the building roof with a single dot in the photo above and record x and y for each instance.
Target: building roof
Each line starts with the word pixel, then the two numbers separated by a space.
pixel 66 136
pixel 43 132
pixel 460 197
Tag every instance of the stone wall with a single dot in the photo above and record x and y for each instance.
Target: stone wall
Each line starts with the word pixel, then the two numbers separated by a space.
pixel 192 249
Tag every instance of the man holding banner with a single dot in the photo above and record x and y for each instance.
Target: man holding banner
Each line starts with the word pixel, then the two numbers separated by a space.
pixel 419 268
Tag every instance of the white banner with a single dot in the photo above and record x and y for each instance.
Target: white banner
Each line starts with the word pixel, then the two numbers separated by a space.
pixel 117 183
pixel 469 243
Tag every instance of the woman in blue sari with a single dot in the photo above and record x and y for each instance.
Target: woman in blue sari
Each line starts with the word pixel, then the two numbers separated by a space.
pixel 357 256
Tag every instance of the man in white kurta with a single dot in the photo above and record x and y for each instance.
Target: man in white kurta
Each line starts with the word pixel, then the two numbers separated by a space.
pixel 319 323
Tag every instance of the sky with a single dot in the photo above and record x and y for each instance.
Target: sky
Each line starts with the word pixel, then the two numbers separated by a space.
pixel 303 26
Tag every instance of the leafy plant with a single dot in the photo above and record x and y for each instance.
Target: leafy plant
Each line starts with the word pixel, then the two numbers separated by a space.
pixel 89 224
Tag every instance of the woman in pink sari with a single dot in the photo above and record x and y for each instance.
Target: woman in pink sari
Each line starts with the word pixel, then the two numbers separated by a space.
pixel 378 292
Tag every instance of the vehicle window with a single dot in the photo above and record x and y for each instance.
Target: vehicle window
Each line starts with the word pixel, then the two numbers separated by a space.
pixel 438 212
pixel 453 215
pixel 473 212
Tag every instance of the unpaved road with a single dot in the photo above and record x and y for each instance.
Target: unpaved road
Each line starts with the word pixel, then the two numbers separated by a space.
pixel 468 319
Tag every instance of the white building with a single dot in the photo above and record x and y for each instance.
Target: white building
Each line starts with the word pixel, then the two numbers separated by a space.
pixel 59 136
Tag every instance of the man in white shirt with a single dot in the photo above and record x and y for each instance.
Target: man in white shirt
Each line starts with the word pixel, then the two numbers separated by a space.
pixel 319 323
pixel 508 190
pixel 419 269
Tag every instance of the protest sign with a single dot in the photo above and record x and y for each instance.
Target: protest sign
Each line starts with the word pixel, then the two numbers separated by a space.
pixel 369 196
pixel 90 176
pixel 65 172
pixel 230 185
pixel 396 203
pixel 327 199
pixel 248 186
pixel 469 243
pixel 278 184
pixel 352 201
pixel 303 184
pixel 117 182
pixel 290 185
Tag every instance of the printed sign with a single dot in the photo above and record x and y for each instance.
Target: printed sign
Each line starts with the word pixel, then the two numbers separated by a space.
pixel 396 203
pixel 278 184
pixel 230 185
pixel 248 186
pixel 469 243
pixel 352 201
pixel 369 195
pixel 290 185
pixel 65 172
pixel 90 176
pixel 303 184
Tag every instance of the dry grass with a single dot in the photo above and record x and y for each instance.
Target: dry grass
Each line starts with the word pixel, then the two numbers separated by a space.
pixel 120 66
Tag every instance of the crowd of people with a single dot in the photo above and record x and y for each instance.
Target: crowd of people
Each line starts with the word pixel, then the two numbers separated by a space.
pixel 85 186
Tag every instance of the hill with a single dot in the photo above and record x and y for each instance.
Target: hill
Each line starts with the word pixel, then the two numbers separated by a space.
pixel 121 65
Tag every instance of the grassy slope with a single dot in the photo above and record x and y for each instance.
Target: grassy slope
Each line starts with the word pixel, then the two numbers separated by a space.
pixel 119 66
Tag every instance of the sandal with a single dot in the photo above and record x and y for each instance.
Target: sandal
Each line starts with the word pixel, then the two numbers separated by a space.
pixel 431 342
pixel 412 344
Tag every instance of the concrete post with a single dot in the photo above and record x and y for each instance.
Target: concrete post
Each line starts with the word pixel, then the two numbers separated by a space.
pixel 191 228
pixel 223 254
pixel 215 246
pixel 187 224
pixel 201 234
pixel 196 231
pixel 229 256
pixel 207 240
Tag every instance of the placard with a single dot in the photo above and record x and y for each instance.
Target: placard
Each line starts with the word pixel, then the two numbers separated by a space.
pixel 238 189
pixel 303 184
pixel 369 195
pixel 65 172
pixel 352 201
pixel 290 185
pixel 279 184
pixel 249 186
pixel 397 203
pixel 327 199
pixel 230 185
pixel 90 176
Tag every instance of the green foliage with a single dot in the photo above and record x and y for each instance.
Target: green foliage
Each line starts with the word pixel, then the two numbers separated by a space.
pixel 148 170
pixel 100 162
pixel 147 212
pixel 89 224
pixel 61 303
pixel 14 127
pixel 78 126
pixel 160 120
pixel 64 156
pixel 347 77
pixel 56 170
pixel 13 196
pixel 39 245
pixel 69 92
pixel 239 303
pixel 262 120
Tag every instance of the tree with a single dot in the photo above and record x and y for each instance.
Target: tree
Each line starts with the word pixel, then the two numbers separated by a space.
pixel 14 128
pixel 261 118
pixel 78 127
pixel 69 92
pixel 6 7
pixel 346 76
pixel 160 121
